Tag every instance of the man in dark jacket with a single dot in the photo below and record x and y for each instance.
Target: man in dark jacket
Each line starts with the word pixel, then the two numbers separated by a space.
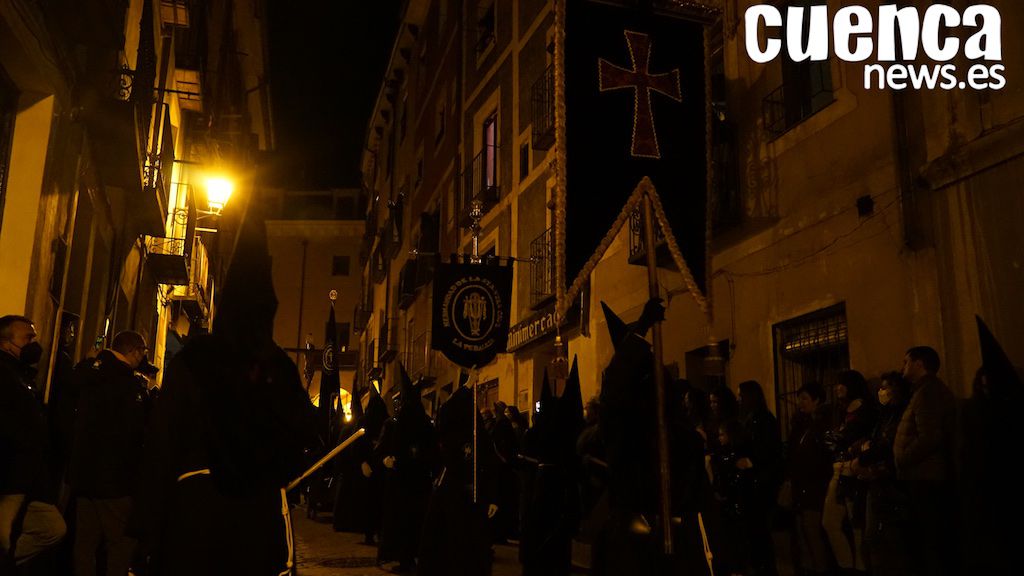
pixel 28 523
pixel 922 453
pixel 109 431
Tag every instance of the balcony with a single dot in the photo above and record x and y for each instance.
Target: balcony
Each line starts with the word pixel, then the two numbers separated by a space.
pixel 637 250
pixel 168 260
pixel 420 360
pixel 387 336
pixel 542 104
pixel 480 183
pixel 391 237
pixel 807 91
pixel 407 284
pixel 542 273
pixel 360 318
pixel 378 265
pixel 194 296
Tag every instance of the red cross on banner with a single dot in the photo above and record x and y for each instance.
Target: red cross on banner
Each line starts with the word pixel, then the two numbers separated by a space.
pixel 642 81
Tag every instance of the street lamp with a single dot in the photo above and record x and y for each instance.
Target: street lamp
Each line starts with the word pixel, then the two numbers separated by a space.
pixel 218 191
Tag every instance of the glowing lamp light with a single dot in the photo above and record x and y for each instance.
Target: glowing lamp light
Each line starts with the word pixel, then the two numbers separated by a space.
pixel 218 191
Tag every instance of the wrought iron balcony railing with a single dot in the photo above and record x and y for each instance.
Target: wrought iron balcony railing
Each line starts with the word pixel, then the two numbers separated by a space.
pixel 168 260
pixel 480 183
pixel 793 102
pixel 419 358
pixel 407 284
pixel 637 249
pixel 542 273
pixel 360 318
pixel 542 102
pixel 387 336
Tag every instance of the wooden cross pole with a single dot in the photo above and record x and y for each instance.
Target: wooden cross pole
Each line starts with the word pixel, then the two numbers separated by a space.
pixel 664 474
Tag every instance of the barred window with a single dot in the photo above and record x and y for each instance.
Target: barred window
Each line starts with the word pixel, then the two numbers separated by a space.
pixel 812 347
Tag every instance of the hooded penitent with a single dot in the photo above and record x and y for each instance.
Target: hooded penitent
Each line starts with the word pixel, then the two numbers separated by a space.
pixel 228 433
pixel 628 426
pixel 455 531
pixel 409 440
pixel 357 505
pixel 553 508
pixel 990 433
pixel 1003 380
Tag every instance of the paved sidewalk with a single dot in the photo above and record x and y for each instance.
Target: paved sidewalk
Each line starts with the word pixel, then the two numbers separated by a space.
pixel 320 551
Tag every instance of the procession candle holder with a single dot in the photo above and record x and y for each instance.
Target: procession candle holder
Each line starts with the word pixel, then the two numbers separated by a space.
pixel 476 212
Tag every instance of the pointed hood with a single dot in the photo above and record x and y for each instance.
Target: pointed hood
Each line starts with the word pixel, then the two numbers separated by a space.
pixel 463 379
pixel 412 405
pixel 247 304
pixel 375 414
pixel 546 398
pixel 617 329
pixel 356 409
pixel 572 398
pixel 455 419
pixel 1004 383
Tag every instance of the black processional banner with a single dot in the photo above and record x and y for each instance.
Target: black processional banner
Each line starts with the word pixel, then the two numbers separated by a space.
pixel 635 107
pixel 471 310
pixel 330 381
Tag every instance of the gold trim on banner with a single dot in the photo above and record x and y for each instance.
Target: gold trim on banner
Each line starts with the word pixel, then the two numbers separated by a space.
pixel 564 294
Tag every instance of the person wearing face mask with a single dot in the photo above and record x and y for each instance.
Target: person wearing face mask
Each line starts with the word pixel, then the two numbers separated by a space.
pixel 29 522
pixel 885 522
pixel 107 451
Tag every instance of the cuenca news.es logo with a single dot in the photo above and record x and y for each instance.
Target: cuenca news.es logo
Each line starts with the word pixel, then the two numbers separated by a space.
pixel 894 48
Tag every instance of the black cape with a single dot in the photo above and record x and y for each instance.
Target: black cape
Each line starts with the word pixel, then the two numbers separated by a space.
pixel 408 437
pixel 357 505
pixel 456 536
pixel 552 511
pixel 251 435
pixel 628 425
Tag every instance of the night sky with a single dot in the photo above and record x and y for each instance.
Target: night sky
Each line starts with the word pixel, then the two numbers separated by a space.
pixel 327 60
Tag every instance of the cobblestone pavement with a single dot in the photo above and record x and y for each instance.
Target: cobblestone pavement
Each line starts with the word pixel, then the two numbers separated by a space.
pixel 320 551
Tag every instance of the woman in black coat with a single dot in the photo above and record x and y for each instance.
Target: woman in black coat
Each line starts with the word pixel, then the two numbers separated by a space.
pixel 808 471
pixel 764 444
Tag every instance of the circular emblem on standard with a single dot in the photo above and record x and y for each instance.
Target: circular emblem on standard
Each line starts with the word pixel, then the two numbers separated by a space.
pixel 329 357
pixel 473 308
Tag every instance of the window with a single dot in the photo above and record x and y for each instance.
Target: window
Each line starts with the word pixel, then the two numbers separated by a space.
pixel 812 347
pixel 806 86
pixel 524 160
pixel 8 111
pixel 339 266
pixel 489 135
pixel 485 25
pixel 344 331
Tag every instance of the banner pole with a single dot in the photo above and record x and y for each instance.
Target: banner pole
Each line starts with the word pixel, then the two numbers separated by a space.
pixel 659 380
pixel 476 212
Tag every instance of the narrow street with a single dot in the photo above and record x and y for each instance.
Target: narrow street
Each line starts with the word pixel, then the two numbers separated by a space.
pixel 320 551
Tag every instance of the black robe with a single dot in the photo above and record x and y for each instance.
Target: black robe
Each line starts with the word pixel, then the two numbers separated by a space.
pixel 408 437
pixel 456 535
pixel 629 427
pixel 553 508
pixel 357 505
pixel 249 428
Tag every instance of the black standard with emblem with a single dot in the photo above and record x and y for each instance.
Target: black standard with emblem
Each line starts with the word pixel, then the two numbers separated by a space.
pixel 471 319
